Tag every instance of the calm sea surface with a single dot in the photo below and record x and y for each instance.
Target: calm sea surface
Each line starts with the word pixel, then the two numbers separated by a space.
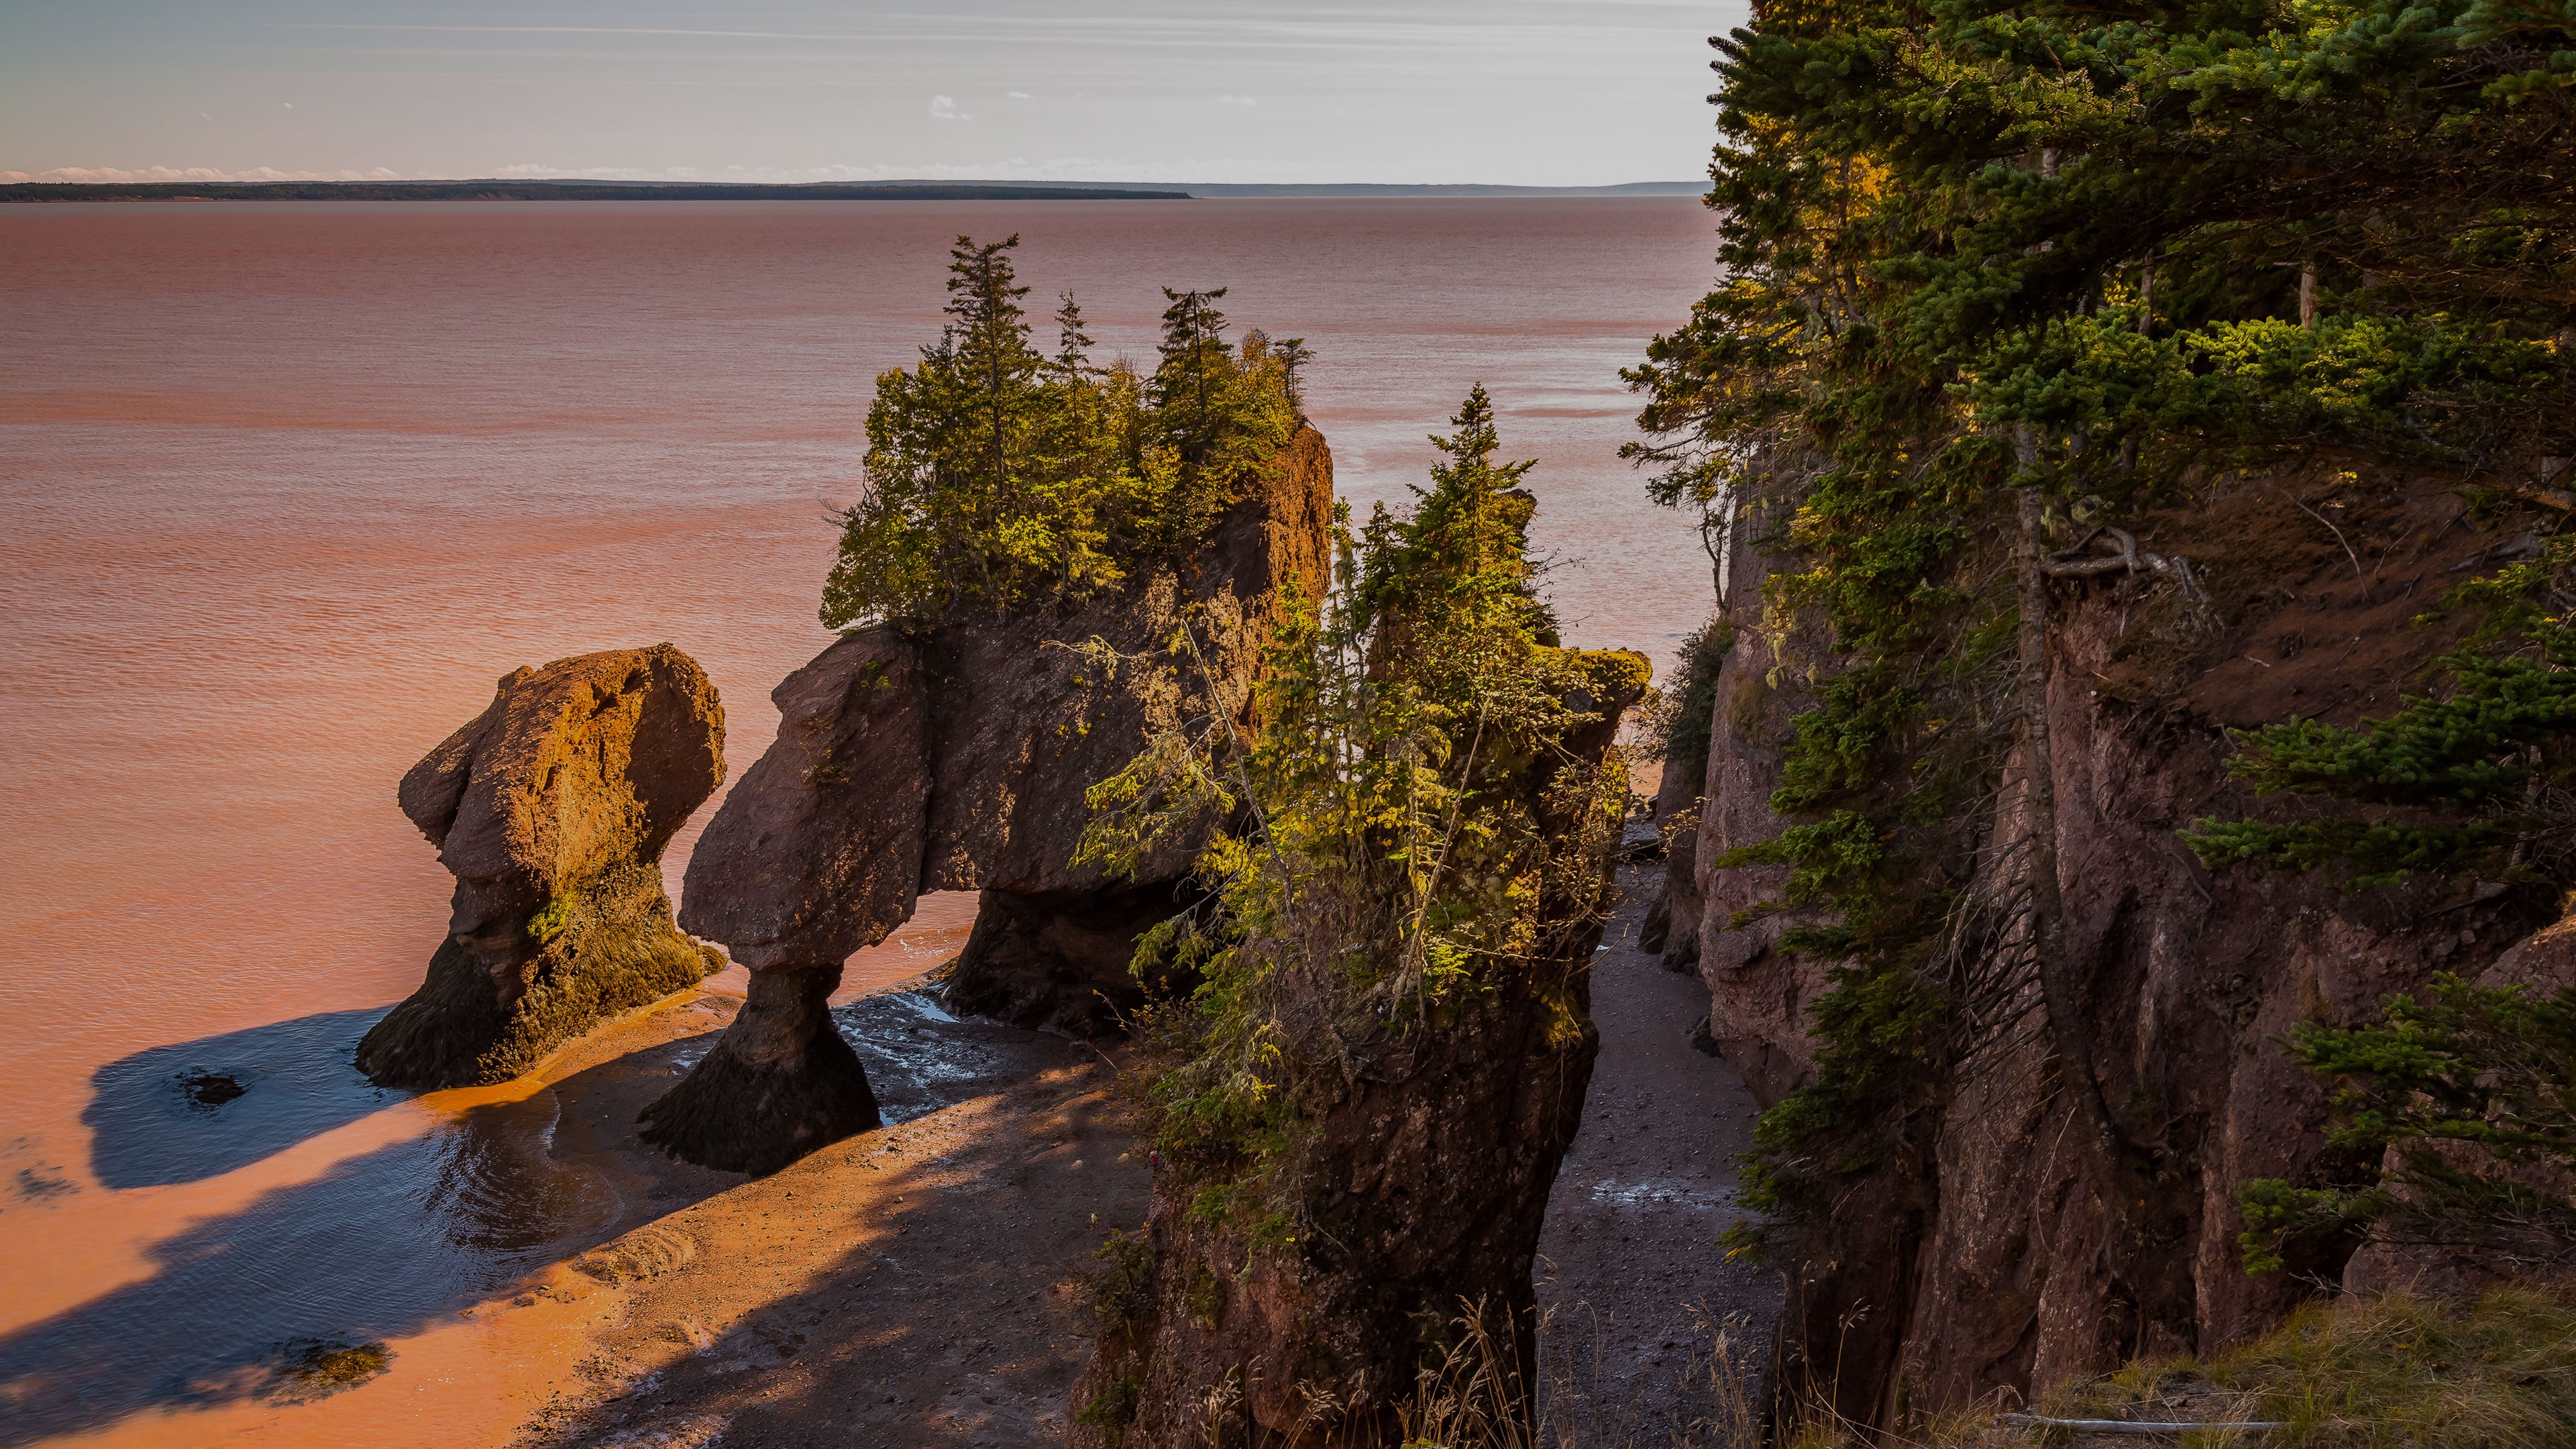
pixel 289 486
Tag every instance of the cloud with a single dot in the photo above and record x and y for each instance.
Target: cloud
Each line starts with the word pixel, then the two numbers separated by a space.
pixel 119 175
pixel 539 171
pixel 1022 96
pixel 944 109
pixel 290 105
pixel 1239 100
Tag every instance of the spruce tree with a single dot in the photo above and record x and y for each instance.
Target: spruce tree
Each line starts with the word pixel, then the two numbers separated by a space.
pixel 999 476
pixel 957 492
pixel 1189 388
pixel 1991 267
pixel 1214 416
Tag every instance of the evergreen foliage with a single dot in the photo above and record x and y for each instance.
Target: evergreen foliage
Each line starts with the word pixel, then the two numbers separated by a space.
pixel 1679 722
pixel 2472 778
pixel 1974 250
pixel 1000 477
pixel 2475 1090
pixel 1390 868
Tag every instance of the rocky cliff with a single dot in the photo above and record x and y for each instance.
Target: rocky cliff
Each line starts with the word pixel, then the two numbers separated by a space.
pixel 551 808
pixel 1424 1182
pixel 1977 1254
pixel 958 757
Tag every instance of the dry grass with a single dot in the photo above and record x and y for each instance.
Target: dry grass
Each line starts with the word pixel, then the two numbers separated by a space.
pixel 1474 1398
pixel 2391 1372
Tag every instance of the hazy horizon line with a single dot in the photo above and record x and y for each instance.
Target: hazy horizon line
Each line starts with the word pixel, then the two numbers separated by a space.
pixel 1022 174
pixel 164 176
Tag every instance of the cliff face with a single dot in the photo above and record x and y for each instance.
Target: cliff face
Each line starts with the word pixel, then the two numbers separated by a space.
pixel 551 808
pixel 1425 1182
pixel 1979 1256
pixel 1027 726
pixel 958 757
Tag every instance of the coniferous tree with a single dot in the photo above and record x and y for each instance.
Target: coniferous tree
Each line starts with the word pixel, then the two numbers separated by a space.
pixel 2469 1097
pixel 1214 416
pixel 1189 387
pixel 967 462
pixel 1391 859
pixel 1293 355
pixel 1073 342
pixel 998 475
pixel 1460 567
pixel 1993 267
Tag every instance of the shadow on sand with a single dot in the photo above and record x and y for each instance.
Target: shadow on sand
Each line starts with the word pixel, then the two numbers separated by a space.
pixel 387 1243
pixel 199 1109
pixel 378 1247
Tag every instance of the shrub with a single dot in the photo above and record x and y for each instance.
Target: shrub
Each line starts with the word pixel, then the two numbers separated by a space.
pixel 1390 866
pixel 1677 727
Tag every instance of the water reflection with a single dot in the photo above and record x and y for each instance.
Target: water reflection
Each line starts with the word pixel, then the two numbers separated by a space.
pixel 357 1255
pixel 199 1109
pixel 386 1243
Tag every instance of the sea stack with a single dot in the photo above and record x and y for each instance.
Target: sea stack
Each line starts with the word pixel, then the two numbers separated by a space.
pixel 957 756
pixel 1428 1178
pixel 551 808
pixel 815 853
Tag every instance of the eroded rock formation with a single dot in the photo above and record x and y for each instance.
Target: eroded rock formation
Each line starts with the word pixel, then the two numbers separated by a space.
pixel 1425 1182
pixel 551 809
pixel 1981 1256
pixel 958 757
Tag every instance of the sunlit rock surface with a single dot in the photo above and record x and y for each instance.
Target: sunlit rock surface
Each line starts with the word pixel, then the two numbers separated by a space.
pixel 958 757
pixel 551 809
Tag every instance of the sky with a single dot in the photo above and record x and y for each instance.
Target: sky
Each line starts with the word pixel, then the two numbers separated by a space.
pixel 1516 92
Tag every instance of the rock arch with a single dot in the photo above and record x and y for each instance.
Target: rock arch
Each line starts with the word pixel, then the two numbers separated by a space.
pixel 957 756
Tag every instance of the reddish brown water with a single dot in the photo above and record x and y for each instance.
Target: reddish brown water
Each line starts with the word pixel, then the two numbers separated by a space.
pixel 289 486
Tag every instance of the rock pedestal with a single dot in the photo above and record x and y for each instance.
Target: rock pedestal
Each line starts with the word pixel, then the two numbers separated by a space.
pixel 551 809
pixel 805 863
pixel 778 1084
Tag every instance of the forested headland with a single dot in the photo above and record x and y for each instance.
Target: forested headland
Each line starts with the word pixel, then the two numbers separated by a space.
pixel 2136 731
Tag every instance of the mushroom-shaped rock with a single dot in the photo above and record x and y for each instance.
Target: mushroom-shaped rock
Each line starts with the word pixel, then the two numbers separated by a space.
pixel 815 853
pixel 551 809
pixel 958 756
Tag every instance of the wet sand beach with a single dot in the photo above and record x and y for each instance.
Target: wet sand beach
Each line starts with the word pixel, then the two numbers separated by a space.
pixel 922 1278
pixel 1636 1288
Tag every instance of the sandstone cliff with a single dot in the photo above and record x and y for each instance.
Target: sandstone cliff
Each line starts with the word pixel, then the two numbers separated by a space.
pixel 1424 1182
pixel 957 757
pixel 1976 1255
pixel 552 808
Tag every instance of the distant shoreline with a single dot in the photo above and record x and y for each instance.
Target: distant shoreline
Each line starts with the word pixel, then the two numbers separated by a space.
pixel 75 191
pixel 62 191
